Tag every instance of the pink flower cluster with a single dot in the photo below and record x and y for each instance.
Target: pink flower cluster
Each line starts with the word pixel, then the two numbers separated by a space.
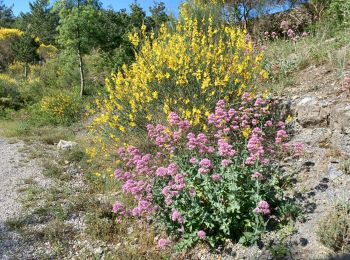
pixel 244 137
pixel 176 216
pixel 255 146
pixel 137 165
pixel 163 243
pixel 286 30
pixel 201 234
pixel 262 208
pixel 199 142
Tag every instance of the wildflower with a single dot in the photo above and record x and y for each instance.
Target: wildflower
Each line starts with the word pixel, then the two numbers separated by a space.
pixel 192 192
pixel 290 33
pixel 262 208
pixel 281 136
pixel 176 216
pixel 205 163
pixel 194 160
pixel 257 175
pixel 289 119
pixel 203 170
pixel 163 243
pixel 118 207
pixel 298 148
pixel 161 171
pixel 225 149
pixel 201 234
pixel 225 162
pixel 216 177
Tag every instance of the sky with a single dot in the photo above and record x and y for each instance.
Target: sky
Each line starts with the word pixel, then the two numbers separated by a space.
pixel 171 5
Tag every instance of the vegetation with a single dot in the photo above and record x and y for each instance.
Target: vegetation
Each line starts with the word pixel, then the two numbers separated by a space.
pixel 334 229
pixel 183 137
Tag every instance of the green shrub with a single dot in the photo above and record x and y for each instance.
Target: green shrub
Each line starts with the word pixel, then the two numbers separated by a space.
pixel 339 13
pixel 9 94
pixel 334 229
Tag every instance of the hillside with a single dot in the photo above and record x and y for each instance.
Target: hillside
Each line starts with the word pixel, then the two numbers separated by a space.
pixel 208 143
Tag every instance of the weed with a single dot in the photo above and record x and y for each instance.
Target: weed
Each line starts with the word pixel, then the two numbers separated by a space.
pixel 345 166
pixel 280 251
pixel 334 229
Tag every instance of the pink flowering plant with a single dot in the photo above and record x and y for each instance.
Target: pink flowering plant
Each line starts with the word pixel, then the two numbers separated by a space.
pixel 213 185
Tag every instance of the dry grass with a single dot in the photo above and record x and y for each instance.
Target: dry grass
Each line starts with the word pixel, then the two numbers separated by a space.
pixel 334 230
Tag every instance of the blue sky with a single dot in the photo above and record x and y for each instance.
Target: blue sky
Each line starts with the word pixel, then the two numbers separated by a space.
pixel 171 5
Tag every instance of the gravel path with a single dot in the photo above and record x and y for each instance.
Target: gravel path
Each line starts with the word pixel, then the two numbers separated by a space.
pixel 14 169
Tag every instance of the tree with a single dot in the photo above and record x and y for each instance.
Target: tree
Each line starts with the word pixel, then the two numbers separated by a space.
pixel 137 15
pixel 6 15
pixel 113 27
pixel 158 16
pixel 41 21
pixel 77 29
pixel 25 51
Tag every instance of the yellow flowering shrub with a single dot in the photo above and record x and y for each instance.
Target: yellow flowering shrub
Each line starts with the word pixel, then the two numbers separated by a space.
pixel 185 68
pixel 57 108
pixel 6 33
pixel 47 51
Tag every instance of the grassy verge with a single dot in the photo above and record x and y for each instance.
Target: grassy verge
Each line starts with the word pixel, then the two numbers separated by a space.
pixel 324 47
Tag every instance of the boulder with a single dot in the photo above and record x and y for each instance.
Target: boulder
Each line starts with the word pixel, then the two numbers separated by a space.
pixel 310 111
pixel 65 145
pixel 340 118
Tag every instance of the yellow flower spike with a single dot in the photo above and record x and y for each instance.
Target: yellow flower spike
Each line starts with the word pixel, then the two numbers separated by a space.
pixel 246 132
pixel 155 94
pixel 289 119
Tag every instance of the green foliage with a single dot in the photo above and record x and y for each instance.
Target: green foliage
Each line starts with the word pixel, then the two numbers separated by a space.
pixel 339 13
pixel 9 94
pixel 77 27
pixel 6 15
pixel 25 50
pixel 41 21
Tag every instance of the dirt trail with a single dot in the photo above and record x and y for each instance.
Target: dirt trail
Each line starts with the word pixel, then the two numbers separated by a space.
pixel 14 169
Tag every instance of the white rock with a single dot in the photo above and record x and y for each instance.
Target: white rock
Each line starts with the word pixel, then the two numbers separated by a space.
pixel 65 145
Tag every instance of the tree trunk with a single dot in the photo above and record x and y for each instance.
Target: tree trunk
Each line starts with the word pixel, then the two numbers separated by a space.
pixel 25 70
pixel 81 69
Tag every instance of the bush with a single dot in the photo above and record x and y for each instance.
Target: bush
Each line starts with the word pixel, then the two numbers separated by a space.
pixel 10 97
pixel 7 38
pixel 59 108
pixel 186 68
pixel 224 183
pixel 334 230
pixel 339 13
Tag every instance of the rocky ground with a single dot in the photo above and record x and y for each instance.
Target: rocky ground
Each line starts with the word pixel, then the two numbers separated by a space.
pixel 321 109
pixel 15 169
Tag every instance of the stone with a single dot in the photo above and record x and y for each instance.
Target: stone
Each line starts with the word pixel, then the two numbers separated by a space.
pixel 303 241
pixel 312 112
pixel 340 119
pixel 66 145
pixel 333 172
